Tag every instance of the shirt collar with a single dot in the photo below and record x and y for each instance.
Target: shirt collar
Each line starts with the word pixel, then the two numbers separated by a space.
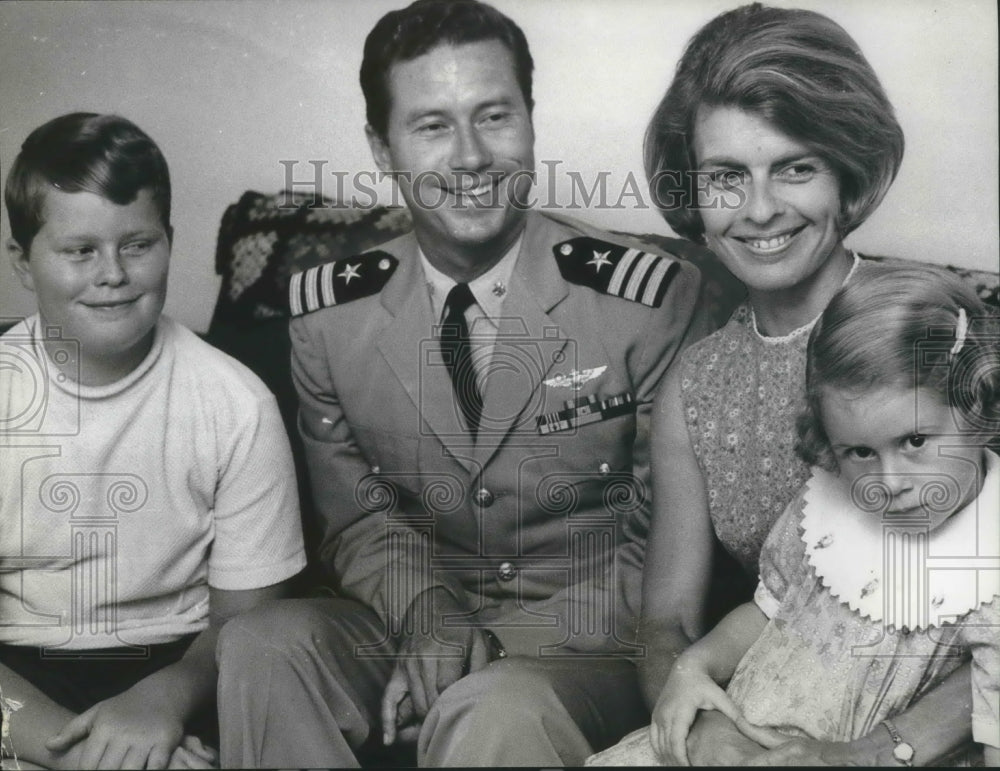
pixel 489 289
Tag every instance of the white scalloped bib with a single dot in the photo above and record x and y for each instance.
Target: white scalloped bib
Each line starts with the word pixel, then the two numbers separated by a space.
pixel 901 574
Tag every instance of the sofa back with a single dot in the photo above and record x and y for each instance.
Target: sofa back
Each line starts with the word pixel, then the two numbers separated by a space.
pixel 265 239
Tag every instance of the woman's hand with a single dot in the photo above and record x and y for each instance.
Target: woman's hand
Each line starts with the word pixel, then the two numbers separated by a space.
pixel 688 689
pixel 784 750
pixel 193 753
pixel 716 741
pixel 807 752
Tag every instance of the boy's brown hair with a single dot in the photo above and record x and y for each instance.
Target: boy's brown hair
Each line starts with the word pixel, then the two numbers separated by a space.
pixel 107 155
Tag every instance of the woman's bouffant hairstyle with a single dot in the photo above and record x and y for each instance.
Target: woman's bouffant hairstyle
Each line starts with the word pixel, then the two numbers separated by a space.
pixel 898 326
pixel 804 74
pixel 106 155
pixel 404 35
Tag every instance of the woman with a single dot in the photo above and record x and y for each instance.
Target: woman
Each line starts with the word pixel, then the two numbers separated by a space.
pixel 778 131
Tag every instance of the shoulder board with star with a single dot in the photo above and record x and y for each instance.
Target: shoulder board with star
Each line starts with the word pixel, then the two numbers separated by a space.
pixel 613 269
pixel 340 281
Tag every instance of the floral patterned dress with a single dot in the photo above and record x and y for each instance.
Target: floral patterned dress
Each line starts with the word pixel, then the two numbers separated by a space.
pixel 836 657
pixel 742 393
pixel 866 617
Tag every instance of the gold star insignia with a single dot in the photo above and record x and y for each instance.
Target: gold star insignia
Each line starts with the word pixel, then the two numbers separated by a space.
pixel 600 260
pixel 349 272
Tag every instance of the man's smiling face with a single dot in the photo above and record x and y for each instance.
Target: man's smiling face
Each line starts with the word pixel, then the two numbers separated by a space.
pixel 461 144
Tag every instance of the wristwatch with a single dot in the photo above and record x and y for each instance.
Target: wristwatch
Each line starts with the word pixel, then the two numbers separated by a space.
pixel 902 752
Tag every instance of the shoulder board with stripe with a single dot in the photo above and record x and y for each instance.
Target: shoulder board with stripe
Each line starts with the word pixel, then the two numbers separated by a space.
pixel 631 273
pixel 340 281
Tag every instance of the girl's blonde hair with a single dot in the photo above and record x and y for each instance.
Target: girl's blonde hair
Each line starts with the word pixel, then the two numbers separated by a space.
pixel 905 325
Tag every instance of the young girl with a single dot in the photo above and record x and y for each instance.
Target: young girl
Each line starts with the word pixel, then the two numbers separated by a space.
pixel 883 574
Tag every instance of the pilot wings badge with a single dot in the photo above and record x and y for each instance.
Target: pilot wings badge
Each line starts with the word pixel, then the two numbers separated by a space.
pixel 575 379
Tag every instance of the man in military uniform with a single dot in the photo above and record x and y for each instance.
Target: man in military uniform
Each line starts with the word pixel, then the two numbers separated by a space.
pixel 475 404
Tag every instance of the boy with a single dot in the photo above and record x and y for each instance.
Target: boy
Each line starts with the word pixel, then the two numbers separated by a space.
pixel 147 491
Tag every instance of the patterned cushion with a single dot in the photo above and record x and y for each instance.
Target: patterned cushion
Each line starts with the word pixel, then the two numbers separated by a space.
pixel 264 239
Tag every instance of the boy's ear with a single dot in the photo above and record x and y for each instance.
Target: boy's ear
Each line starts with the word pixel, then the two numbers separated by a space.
pixel 379 148
pixel 19 261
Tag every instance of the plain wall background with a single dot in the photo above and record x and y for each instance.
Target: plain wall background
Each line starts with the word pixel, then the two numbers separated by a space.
pixel 228 89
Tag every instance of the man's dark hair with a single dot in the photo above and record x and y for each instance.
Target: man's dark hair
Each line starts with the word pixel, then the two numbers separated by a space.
pixel 404 35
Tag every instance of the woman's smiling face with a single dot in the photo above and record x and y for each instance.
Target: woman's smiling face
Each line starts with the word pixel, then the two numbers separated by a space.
pixel 784 233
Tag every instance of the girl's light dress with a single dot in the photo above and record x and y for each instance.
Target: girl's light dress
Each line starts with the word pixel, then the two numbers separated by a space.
pixel 865 616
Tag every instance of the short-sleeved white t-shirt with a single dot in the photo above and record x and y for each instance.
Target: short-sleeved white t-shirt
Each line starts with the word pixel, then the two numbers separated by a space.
pixel 121 504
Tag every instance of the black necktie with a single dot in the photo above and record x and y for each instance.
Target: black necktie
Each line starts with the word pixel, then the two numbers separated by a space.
pixel 457 355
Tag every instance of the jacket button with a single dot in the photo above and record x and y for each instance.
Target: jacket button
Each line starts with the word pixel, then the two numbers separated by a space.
pixel 506 571
pixel 484 497
pixel 604 469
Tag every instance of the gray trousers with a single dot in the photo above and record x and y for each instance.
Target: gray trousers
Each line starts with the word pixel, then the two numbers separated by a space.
pixel 301 682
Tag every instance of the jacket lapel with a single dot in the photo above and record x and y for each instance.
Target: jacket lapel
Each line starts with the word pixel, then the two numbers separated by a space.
pixel 529 342
pixel 409 347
